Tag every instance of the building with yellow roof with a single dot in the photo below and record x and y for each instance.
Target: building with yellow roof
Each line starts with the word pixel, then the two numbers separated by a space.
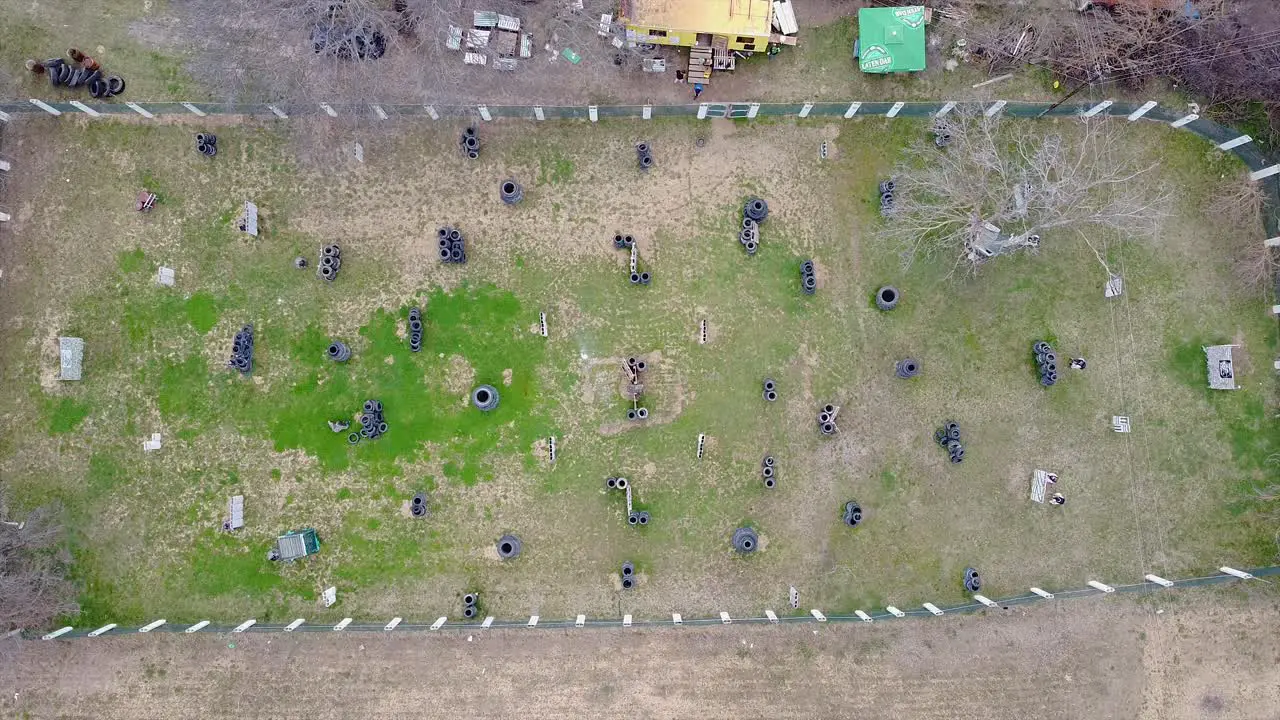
pixel 724 25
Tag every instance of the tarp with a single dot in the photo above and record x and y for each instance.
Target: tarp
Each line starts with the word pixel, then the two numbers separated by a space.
pixel 891 39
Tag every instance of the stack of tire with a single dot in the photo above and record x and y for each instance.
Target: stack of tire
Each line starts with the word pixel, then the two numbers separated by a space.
pixel 628 575
pixel 640 278
pixel 972 582
pixel 453 247
pixel 770 390
pixel 338 351
pixel 470 143
pixel 745 540
pixel 644 155
pixel 852 513
pixel 1046 363
pixel 886 196
pixel 418 505
pixel 372 424
pixel 415 330
pixel 827 420
pixel 948 436
pixel 638 517
pixel 887 298
pixel 767 472
pixel 808 281
pixel 89 74
pixel 749 236
pixel 330 262
pixel 207 144
pixel 485 398
pixel 907 368
pixel 510 192
pixel 470 605
pixel 242 351
pixel 623 242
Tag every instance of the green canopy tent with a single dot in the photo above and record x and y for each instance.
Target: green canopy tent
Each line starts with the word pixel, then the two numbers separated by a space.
pixel 890 39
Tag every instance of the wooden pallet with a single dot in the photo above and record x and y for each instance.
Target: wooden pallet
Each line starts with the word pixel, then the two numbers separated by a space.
pixel 700 65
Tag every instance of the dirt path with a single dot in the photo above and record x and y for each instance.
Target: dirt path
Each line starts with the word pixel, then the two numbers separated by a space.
pixel 1203 655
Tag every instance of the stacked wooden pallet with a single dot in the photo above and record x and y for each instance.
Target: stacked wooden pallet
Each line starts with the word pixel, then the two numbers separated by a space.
pixel 699 65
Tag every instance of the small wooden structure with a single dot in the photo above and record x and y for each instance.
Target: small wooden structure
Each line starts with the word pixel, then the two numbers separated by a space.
pixel 145 201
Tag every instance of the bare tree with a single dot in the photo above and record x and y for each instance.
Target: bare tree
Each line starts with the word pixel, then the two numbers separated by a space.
pixel 996 187
pixel 33 585
pixel 1236 207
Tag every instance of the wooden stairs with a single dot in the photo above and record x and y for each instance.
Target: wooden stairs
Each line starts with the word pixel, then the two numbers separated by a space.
pixel 699 65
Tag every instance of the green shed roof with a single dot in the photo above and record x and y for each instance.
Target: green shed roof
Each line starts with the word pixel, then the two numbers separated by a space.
pixel 891 39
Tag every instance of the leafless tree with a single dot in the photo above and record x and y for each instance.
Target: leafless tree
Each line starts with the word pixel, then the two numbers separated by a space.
pixel 1236 207
pixel 33 585
pixel 998 187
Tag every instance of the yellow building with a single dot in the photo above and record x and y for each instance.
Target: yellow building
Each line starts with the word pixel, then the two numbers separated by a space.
pixel 724 25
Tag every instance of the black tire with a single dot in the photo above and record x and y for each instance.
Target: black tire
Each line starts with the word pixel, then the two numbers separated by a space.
pixel 887 186
pixel 806 267
pixel 353 438
pixel 767 461
pixel 377 406
pixel 509 547
pixel 631 414
pixel 115 84
pixel 93 77
pixel 757 210
pixel 769 384
pixel 1041 348
pixel 632 362
pixel 98 89
pixel 611 483
pixel 809 282
pixel 745 540
pixel 641 366
pixel 469 611
pixel 617 242
pixel 751 247
pixel 908 368
pixel 1051 357
pixel 327 273
pixel 210 150
pixel 65 72
pixel 628 583
pixel 471 143
pixel 749 224
pixel 953 430
pixel 940 436
pixel 382 428
pixel 202 139
pixel 645 278
pixel 628 569
pixel 469 132
pixel 470 599
pixel 635 278
pixel 633 518
pixel 646 162
pixel 769 483
pixel 202 148
pixel 622 483
pixel 766 471
pixel 366 432
pixel 472 154
pixel 330 251
pixel 642 413
pixel 456 255
pixel 642 148
pixel 824 417
pixel 770 395
pixel 368 407
pixel 415 325
pixel 887 297
pixel 828 428
pixel 628 241
pixel 485 398
pixel 1048 381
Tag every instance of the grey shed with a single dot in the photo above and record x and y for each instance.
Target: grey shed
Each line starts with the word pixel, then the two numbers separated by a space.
pixel 292 547
pixel 72 354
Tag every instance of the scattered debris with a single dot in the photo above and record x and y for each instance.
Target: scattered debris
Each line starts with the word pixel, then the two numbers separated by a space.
pixel 948 436
pixel 361 42
pixel 82 71
pixel 152 444
pixel 635 388
pixel 330 596
pixel 338 426
pixel 145 201
pixel 852 513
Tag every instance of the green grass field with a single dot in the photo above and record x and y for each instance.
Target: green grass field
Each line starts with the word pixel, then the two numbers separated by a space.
pixel 1172 498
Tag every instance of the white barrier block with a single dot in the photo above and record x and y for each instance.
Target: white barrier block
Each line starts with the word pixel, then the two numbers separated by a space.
pixel 105 628
pixel 1275 309
pixel 484 113
pixel 1236 573
pixel 948 107
pixel 593 112
pixel 487 622
pixel 1235 142
pixel 294 625
pixel 533 621
pixel 194 110
pixel 542 319
pixel 1185 120
pixel 702 441
pixel 817 614
pixel 1147 107
pixel 439 622
pixel 56 633
pixel 1101 586
pixel 724 618
pixel 985 600
pixel 85 109
pixel 753 111
pixel 197 627
pixel 244 626
pixel 853 110
pixel 932 608
pixel 1042 593
pixel 805 110
pixel 328 110
pixel 150 626
pixel 626 620
pixel 46 107
pixel 582 620
pixel 392 625
pixel 1097 108
pixel 139 109
pixel 342 625
pixel 676 619
pixel 538 114
pixel 1272 242
pixel 431 112
pixel 1265 172
pixel 773 618
pixel 646 112
pixel 862 616
pixel 5 117
pixel 551 448
pixel 996 107
pixel 895 611
pixel 1158 580
pixel 702 111
pixel 897 108
pixel 377 110
pixel 277 112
